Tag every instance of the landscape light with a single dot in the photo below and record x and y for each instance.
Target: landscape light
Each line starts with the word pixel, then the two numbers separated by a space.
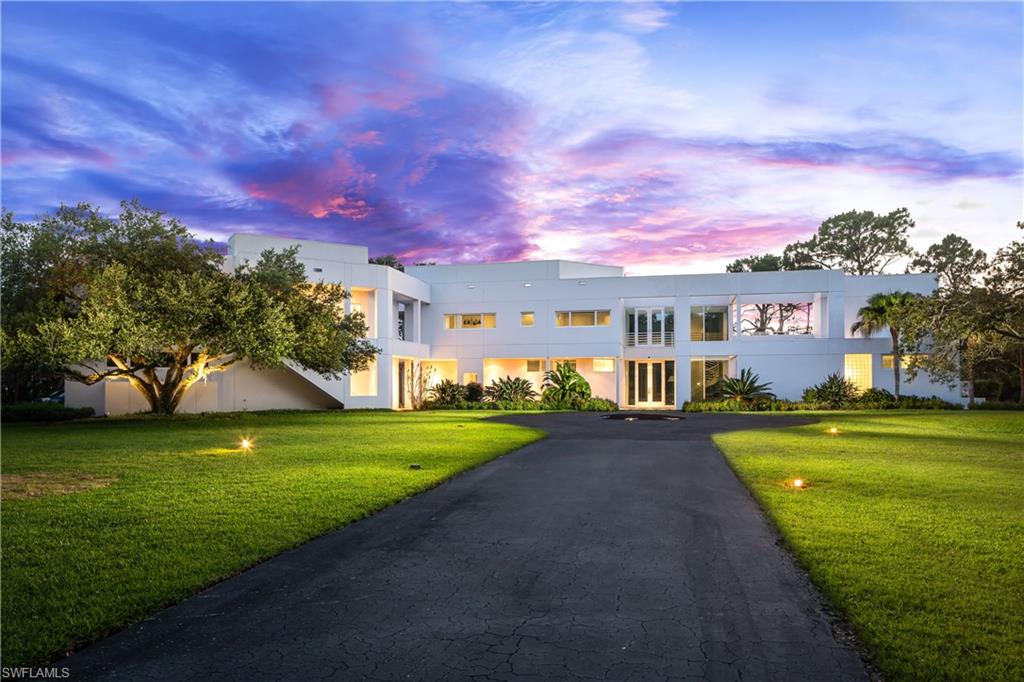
pixel 833 431
pixel 246 444
pixel 798 483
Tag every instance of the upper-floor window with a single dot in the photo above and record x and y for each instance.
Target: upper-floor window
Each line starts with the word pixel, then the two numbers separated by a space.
pixel 534 365
pixel 526 318
pixel 470 321
pixel 775 319
pixel 650 326
pixel 583 318
pixel 709 323
pixel 906 360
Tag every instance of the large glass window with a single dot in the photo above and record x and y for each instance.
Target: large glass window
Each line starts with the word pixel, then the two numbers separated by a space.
pixel 583 318
pixel 906 360
pixel 650 327
pixel 706 378
pixel 777 319
pixel 604 364
pixel 709 323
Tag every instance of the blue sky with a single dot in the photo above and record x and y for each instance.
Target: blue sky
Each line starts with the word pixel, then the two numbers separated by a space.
pixel 667 137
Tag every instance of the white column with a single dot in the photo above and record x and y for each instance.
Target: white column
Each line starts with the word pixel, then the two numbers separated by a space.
pixel 418 321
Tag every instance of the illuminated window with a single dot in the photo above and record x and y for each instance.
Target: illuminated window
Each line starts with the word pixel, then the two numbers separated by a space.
pixel 583 318
pixel 526 319
pixel 604 364
pixel 533 365
pixel 857 370
pixel 905 360
pixel 471 321
pixel 469 378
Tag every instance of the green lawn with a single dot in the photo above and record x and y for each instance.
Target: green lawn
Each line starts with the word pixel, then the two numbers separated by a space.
pixel 164 507
pixel 913 525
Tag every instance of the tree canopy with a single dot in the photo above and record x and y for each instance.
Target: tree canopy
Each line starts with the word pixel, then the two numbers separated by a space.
pixel 857 242
pixel 955 260
pixel 139 297
pixel 767 262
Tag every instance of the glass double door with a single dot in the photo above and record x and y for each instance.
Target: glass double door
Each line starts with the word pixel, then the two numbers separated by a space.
pixel 651 383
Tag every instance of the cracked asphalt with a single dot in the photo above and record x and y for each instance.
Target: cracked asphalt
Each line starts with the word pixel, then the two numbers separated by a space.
pixel 610 550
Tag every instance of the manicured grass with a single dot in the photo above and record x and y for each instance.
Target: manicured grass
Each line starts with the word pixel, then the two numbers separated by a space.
pixel 913 525
pixel 109 520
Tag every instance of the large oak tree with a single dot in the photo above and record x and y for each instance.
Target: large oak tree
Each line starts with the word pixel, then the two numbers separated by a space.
pixel 139 297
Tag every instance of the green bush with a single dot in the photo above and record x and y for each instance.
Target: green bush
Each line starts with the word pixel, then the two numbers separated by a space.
pixel 43 412
pixel 588 405
pixel 510 389
pixel 564 384
pixel 996 405
pixel 474 392
pixel 876 399
pixel 910 402
pixel 447 392
pixel 834 392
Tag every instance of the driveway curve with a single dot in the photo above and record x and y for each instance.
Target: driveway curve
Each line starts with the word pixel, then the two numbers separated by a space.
pixel 610 550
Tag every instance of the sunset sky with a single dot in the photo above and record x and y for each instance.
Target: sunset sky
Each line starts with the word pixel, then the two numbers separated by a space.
pixel 663 137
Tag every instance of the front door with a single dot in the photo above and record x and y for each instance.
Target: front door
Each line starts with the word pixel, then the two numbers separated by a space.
pixel 650 383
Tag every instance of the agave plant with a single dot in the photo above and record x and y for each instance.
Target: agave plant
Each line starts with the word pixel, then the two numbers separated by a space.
pixel 565 385
pixel 510 389
pixel 746 387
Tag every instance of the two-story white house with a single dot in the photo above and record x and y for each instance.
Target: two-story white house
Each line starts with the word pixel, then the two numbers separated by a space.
pixel 645 342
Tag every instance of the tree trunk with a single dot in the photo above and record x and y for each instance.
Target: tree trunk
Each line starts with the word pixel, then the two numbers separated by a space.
pixel 896 360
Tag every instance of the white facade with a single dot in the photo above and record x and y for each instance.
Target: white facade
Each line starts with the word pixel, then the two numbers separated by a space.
pixel 645 342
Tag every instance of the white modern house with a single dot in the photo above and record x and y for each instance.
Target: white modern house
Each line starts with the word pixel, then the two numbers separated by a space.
pixel 645 342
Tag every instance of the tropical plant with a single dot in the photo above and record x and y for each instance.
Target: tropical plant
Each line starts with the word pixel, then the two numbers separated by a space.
pixel 510 389
pixel 834 392
pixel 746 387
pixel 474 392
pixel 446 393
pixel 890 310
pixel 565 385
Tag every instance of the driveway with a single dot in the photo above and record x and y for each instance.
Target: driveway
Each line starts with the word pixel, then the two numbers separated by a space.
pixel 610 550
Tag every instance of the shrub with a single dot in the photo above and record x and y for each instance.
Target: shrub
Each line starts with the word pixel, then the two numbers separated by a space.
pixel 746 387
pixel 916 402
pixel 43 412
pixel 510 389
pixel 876 399
pixel 564 384
pixel 996 405
pixel 770 405
pixel 833 393
pixel 447 393
pixel 474 392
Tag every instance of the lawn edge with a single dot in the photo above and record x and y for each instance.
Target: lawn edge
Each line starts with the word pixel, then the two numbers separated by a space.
pixel 839 620
pixel 81 644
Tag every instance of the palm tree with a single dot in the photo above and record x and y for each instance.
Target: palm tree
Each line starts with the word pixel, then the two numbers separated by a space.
pixel 887 310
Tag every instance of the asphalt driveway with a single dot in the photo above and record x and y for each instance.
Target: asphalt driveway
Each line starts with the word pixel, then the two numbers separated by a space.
pixel 610 550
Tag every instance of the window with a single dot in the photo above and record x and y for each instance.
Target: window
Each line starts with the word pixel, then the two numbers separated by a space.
pixel 709 323
pixel 777 319
pixel 526 319
pixel 906 360
pixel 469 378
pixel 706 378
pixel 569 363
pixel 583 318
pixel 857 370
pixel 470 321
pixel 533 365
pixel 604 364
pixel 650 327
